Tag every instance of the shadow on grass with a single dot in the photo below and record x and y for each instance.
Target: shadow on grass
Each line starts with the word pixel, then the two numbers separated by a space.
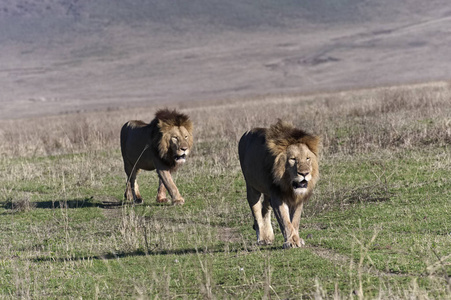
pixel 22 205
pixel 186 251
pixel 103 202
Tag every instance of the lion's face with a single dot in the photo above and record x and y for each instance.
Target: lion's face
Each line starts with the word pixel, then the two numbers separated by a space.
pixel 299 167
pixel 180 142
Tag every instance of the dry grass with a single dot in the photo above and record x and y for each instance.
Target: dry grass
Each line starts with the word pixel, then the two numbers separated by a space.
pixel 348 122
pixel 73 156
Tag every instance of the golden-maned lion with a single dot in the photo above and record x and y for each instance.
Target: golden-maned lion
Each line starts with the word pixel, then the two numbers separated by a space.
pixel 163 144
pixel 280 162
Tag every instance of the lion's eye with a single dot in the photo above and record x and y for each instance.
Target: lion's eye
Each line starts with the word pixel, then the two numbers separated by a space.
pixel 308 158
pixel 292 159
pixel 186 137
pixel 175 139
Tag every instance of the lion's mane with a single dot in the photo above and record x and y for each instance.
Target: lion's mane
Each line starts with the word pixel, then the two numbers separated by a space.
pixel 161 127
pixel 278 138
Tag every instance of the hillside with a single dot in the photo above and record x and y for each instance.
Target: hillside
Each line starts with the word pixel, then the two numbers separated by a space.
pixel 63 56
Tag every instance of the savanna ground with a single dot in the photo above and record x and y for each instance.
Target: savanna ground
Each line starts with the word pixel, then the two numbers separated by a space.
pixel 378 225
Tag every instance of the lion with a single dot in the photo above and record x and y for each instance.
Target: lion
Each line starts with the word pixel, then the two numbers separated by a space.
pixel 280 162
pixel 161 145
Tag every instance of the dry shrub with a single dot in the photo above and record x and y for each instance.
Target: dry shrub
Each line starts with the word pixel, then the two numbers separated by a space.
pixel 390 118
pixel 58 135
pixel 348 122
pixel 20 205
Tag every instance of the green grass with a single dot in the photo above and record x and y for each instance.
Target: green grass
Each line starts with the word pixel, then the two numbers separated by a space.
pixel 393 214
pixel 378 225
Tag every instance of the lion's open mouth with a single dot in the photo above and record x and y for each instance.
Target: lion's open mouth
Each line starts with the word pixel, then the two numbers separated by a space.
pixel 300 184
pixel 180 157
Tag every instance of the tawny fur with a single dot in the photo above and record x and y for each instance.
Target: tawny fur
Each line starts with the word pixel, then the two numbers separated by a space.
pixel 160 145
pixel 278 137
pixel 274 161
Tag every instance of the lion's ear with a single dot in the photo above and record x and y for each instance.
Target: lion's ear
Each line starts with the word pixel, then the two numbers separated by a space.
pixel 164 127
pixel 188 126
pixel 313 143
pixel 279 166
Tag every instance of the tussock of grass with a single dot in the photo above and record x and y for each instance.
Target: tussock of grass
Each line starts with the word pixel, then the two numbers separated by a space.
pixel 21 205
pixel 377 226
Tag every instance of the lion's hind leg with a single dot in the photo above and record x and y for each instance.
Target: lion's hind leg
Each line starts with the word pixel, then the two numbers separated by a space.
pixel 129 189
pixel 138 198
pixel 266 231
pixel 128 195
pixel 132 189
pixel 262 222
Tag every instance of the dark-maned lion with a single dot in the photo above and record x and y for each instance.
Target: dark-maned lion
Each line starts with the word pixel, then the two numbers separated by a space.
pixel 163 144
pixel 280 162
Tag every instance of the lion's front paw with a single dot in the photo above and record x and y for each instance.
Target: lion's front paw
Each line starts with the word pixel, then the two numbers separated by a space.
pixel 266 237
pixel 294 242
pixel 138 201
pixel 178 201
pixel 264 242
pixel 162 200
pixel 287 245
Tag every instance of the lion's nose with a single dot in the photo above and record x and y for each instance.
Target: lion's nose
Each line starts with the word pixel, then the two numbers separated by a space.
pixel 303 174
pixel 184 148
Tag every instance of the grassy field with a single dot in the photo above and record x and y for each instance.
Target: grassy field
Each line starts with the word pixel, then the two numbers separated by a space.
pixel 378 225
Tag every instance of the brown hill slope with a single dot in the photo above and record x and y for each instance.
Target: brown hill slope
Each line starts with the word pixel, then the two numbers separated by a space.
pixel 68 55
